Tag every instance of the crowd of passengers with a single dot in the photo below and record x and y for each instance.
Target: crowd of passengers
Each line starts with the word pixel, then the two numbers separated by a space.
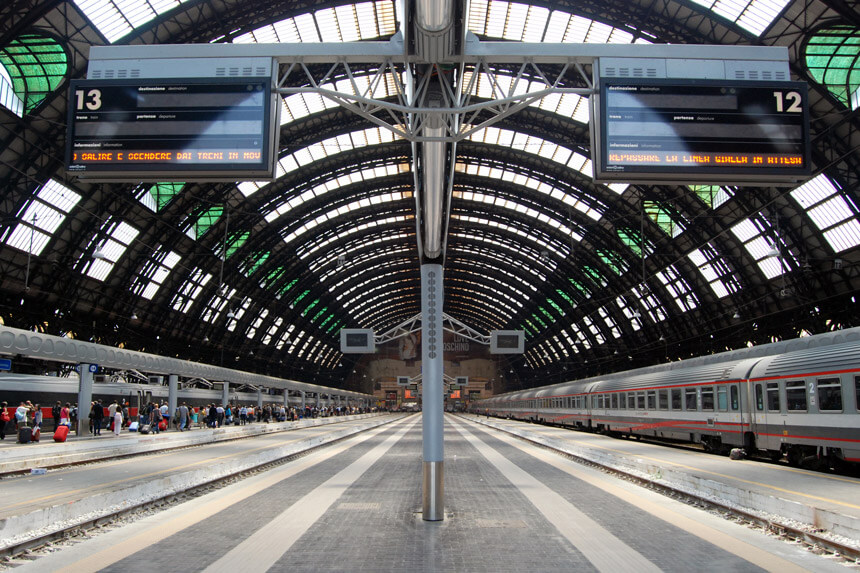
pixel 116 416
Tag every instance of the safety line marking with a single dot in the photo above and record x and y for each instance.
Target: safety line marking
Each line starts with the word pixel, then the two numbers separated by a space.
pixel 742 549
pixel 605 551
pixel 206 507
pixel 269 543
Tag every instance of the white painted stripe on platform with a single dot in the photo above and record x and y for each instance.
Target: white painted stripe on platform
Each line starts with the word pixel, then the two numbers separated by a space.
pixel 275 538
pixel 742 549
pixel 605 551
pixel 119 544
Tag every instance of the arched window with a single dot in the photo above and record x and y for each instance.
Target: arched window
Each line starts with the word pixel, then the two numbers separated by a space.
pixel 833 59
pixel 33 67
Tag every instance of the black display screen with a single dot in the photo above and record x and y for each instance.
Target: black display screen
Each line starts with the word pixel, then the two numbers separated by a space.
pixel 197 129
pixel 697 131
pixel 356 339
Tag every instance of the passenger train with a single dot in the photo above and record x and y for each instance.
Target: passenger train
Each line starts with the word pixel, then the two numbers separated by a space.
pixel 47 390
pixel 799 399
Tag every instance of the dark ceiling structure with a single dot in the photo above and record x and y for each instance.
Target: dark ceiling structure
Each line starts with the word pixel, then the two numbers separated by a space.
pixel 261 276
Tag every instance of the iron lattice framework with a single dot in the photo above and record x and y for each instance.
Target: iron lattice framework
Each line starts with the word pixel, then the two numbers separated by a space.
pixel 263 276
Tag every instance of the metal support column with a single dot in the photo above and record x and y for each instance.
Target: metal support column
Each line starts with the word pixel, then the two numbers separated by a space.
pixel 172 394
pixel 225 394
pixel 85 398
pixel 304 403
pixel 432 410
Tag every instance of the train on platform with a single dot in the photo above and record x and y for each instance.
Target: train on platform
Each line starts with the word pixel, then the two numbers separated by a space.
pixel 797 399
pixel 48 390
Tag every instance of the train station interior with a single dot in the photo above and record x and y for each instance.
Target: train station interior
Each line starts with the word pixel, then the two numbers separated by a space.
pixel 294 225
pixel 261 276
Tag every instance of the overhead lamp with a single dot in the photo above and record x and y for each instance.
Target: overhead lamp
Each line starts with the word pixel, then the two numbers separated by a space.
pixel 99 255
pixel 736 316
pixel 231 314
pixel 662 338
pixel 133 316
pixel 205 339
pixel 773 252
pixel 636 314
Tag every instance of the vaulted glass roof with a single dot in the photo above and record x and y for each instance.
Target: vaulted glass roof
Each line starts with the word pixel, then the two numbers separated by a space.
pixel 273 269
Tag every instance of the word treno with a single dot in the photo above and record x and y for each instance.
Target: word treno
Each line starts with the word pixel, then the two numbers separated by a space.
pixel 240 156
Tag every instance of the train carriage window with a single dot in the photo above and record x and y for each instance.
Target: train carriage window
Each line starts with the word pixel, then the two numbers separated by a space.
pixel 857 392
pixel 759 398
pixel 622 401
pixel 690 400
pixel 722 399
pixel 614 400
pixel 829 395
pixel 733 397
pixel 676 399
pixel 594 401
pixel 773 397
pixel 652 399
pixel 663 399
pixel 707 398
pixel 795 396
pixel 631 400
pixel 640 400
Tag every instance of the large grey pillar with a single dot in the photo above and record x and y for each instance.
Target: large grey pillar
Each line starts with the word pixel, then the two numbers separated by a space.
pixel 85 398
pixel 432 404
pixel 225 394
pixel 172 394
pixel 303 402
pixel 259 401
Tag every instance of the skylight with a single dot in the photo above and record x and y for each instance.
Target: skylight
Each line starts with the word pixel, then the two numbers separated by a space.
pixel 771 254
pixel 753 15
pixel 119 236
pixel 41 217
pixel 831 212
pixel 159 271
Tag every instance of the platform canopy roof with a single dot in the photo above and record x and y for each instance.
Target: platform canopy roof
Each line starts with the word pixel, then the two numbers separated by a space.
pixel 263 275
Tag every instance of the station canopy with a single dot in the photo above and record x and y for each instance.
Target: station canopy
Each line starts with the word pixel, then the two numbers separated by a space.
pixel 261 276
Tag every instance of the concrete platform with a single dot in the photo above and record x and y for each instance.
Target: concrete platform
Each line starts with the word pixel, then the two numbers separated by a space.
pixel 820 501
pixel 355 506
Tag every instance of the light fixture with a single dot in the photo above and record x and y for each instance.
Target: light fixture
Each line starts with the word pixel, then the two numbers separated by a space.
pixel 99 255
pixel 231 314
pixel 133 316
pixel 736 316
pixel 636 314
pixel 662 338
pixel 773 252
pixel 205 339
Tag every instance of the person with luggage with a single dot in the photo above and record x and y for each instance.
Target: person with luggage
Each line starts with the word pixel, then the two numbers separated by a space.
pixel 37 416
pixel 65 419
pixel 183 417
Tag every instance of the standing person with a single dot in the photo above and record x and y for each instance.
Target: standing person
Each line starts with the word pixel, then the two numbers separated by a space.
pixel 243 415
pixel 5 418
pixel 219 416
pixel 112 412
pixel 65 413
pixel 37 416
pixel 165 414
pixel 156 418
pixel 117 421
pixel 97 413
pixel 183 417
pixel 55 414
pixel 73 417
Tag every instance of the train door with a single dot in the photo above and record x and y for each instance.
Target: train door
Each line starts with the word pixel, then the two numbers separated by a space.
pixel 764 436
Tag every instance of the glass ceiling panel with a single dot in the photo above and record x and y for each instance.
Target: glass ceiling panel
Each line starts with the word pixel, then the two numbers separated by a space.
pixel 829 208
pixel 752 15
pixel 33 67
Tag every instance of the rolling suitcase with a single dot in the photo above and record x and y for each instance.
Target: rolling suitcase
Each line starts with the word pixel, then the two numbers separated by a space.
pixel 37 433
pixel 145 429
pixel 133 427
pixel 61 433
pixel 162 425
pixel 25 434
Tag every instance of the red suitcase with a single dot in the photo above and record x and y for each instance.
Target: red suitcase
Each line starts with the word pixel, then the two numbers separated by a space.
pixel 162 425
pixel 61 433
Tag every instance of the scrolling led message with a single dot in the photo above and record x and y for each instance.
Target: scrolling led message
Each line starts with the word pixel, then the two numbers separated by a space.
pixel 685 131
pixel 208 129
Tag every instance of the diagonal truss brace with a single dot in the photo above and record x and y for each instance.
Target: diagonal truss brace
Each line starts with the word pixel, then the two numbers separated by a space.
pixel 449 324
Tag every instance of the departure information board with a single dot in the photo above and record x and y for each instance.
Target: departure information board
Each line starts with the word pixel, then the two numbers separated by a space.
pixel 212 129
pixel 697 131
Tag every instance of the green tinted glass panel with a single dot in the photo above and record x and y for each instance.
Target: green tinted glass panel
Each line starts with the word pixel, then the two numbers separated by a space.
pixel 163 193
pixel 612 260
pixel 661 216
pixel 557 308
pixel 706 193
pixel 257 261
pixel 291 284
pixel 565 296
pixel 583 290
pixel 546 314
pixel 36 65
pixel 310 306
pixel 631 238
pixel 207 220
pixel 235 242
pixel 326 321
pixel 300 297
pixel 833 59
pixel 318 314
pixel 539 320
pixel 594 274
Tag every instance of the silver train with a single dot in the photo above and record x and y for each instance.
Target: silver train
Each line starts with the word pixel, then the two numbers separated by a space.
pixel 799 399
pixel 47 390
